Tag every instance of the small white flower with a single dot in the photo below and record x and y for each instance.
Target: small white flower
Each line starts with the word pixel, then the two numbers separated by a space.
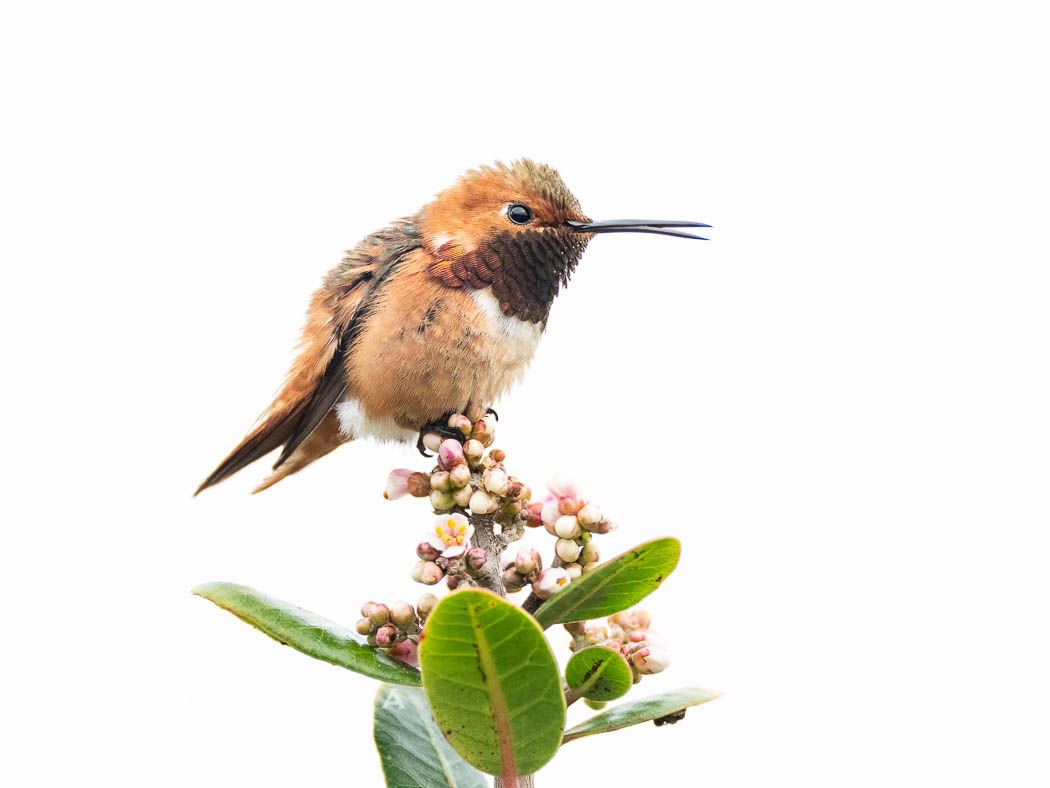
pixel 451 534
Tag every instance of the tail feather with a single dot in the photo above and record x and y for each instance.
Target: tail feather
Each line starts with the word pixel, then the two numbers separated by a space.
pixel 325 438
pixel 272 433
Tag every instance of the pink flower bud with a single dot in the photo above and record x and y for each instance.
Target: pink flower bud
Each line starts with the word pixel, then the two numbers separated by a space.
pixel 426 604
pixel 459 476
pixel 566 527
pixel 549 581
pixel 567 550
pixel 473 450
pixel 484 430
pixel 441 481
pixel 496 481
pixel 441 501
pixel 512 581
pixel 573 571
pixel 454 581
pixel 386 636
pixel 427 551
pixel 527 560
pixel 432 441
pixel 476 557
pixel 535 515
pixel 367 609
pixel 603 527
pixel 589 515
pixel 363 626
pixel 407 652
pixel 458 421
pixel 402 614
pixel 380 614
pixel 450 454
pixel 483 503
pixel 427 573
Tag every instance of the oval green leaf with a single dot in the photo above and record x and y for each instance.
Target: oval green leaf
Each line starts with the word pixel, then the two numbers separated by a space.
pixel 412 750
pixel 306 632
pixel 614 586
pixel 656 707
pixel 492 682
pixel 598 673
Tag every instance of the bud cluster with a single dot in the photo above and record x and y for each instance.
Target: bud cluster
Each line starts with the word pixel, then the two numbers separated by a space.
pixel 627 632
pixel 466 477
pixel 395 627
pixel 573 521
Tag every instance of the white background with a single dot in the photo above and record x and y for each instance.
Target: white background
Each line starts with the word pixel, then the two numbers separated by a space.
pixel 839 404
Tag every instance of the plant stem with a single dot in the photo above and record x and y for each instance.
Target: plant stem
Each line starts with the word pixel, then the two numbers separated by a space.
pixel 490 577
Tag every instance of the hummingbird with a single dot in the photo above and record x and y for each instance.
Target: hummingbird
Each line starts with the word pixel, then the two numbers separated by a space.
pixel 436 314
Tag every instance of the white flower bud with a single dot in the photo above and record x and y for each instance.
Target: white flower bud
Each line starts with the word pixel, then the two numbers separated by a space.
pixel 462 495
pixel 549 581
pixel 402 614
pixel 483 503
pixel 567 550
pixel 441 501
pixel 441 481
pixel 496 481
pixel 566 527
pixel 473 450
pixel 459 476
pixel 589 515
pixel 573 571
pixel 550 514
pixel 650 659
pixel 528 560
pixel 589 554
pixel 427 602
pixel 432 441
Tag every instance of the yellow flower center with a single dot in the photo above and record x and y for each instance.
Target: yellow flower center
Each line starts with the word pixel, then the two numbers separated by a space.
pixel 452 533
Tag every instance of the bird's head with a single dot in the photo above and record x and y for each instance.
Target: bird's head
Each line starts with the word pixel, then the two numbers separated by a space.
pixel 522 216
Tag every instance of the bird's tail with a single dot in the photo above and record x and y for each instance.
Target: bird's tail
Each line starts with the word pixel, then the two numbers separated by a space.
pixel 271 433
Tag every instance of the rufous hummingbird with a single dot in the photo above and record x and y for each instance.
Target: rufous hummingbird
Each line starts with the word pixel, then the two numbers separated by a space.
pixel 439 313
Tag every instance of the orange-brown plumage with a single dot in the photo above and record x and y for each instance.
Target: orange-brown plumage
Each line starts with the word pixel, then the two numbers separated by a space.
pixel 437 313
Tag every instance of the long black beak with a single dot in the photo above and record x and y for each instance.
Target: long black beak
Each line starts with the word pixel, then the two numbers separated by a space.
pixel 635 226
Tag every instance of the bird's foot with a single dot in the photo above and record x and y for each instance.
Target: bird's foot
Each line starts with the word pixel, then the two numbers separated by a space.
pixel 440 428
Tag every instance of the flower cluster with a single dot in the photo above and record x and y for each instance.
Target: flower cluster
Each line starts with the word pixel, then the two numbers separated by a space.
pixel 396 628
pixel 627 632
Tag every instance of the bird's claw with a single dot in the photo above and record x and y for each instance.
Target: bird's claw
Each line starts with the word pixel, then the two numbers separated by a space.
pixel 439 427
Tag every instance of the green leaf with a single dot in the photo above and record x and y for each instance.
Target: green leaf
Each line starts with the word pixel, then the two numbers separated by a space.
pixel 302 630
pixel 413 751
pixel 614 586
pixel 598 673
pixel 492 682
pixel 652 708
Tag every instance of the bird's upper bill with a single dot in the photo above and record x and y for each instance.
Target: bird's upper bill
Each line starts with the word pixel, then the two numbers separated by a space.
pixel 658 226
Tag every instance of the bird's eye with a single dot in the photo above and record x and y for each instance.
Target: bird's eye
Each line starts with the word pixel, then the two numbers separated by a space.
pixel 519 214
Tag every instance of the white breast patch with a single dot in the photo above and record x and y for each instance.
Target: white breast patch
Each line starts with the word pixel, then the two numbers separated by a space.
pixel 354 423
pixel 521 335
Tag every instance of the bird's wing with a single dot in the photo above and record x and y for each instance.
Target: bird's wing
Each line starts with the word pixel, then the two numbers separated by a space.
pixel 317 379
